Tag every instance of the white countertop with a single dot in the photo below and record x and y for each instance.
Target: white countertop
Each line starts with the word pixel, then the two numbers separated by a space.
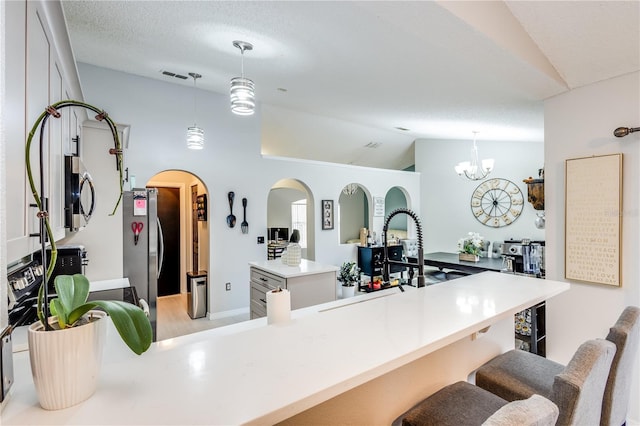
pixel 252 372
pixel 306 267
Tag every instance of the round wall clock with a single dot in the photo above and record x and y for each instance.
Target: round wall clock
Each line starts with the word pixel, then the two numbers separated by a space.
pixel 497 202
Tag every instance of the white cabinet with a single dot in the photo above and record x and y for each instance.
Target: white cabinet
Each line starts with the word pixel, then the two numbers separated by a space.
pixel 38 74
pixel 309 284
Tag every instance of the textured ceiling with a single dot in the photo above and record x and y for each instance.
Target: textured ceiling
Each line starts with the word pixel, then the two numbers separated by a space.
pixel 354 71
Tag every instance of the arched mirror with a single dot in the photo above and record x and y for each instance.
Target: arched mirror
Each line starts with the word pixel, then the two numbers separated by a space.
pixel 398 226
pixel 354 213
pixel 290 207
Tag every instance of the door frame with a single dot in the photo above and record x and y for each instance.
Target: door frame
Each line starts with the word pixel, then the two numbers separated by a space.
pixel 183 226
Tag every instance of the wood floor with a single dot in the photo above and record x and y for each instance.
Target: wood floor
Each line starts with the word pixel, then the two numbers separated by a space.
pixel 174 321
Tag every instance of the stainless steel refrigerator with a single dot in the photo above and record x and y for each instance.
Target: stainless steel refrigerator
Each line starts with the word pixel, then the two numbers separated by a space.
pixel 143 246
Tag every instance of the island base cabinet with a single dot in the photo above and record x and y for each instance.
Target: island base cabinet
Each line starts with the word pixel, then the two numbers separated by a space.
pixel 306 290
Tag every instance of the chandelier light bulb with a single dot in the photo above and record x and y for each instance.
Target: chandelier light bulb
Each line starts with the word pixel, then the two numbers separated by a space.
pixel 475 169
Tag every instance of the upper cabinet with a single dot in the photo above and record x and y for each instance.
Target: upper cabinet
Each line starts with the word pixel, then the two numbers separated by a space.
pixel 39 71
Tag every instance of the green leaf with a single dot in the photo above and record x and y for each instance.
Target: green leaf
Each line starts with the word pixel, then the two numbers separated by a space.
pixel 130 321
pixel 58 310
pixel 72 291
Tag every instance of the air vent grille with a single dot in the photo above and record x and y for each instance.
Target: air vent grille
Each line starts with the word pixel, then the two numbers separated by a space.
pixel 173 74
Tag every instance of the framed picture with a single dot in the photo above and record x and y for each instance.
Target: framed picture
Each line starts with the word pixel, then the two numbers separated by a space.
pixel 327 214
pixel 593 219
pixel 378 206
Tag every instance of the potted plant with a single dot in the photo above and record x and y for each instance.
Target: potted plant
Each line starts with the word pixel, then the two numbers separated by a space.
pixel 65 361
pixel 470 246
pixel 349 275
pixel 65 348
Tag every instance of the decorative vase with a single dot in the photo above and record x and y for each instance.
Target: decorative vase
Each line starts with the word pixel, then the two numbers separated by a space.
pixel 65 364
pixel 294 254
pixel 468 257
pixel 348 291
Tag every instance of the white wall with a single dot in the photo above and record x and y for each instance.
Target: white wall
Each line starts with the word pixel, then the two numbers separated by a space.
pixel 159 114
pixel 577 124
pixel 446 197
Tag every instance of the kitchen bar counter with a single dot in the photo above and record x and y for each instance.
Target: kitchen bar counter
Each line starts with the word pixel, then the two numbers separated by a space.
pixel 254 373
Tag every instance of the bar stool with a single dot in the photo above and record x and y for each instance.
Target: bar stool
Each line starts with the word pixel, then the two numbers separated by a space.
pixel 463 404
pixel 518 374
pixel 576 389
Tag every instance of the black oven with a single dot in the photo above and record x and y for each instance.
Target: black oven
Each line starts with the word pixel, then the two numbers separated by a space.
pixel 79 193
pixel 24 280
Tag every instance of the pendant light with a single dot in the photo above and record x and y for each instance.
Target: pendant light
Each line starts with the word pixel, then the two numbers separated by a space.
pixel 242 89
pixel 474 169
pixel 195 135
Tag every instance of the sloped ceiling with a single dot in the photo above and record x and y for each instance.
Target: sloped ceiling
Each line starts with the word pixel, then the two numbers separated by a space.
pixel 355 72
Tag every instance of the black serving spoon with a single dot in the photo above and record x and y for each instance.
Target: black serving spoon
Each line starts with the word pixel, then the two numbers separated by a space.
pixel 244 225
pixel 231 219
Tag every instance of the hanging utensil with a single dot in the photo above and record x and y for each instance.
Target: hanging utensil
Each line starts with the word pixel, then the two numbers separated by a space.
pixel 231 219
pixel 244 225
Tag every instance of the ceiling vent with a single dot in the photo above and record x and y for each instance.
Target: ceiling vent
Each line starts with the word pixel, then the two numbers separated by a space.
pixel 173 74
pixel 373 145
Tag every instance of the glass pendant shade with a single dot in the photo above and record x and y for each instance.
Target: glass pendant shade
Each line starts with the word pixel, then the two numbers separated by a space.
pixel 195 138
pixel 242 93
pixel 195 135
pixel 242 96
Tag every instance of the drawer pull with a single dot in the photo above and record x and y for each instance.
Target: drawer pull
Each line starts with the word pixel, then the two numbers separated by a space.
pixel 263 301
pixel 263 279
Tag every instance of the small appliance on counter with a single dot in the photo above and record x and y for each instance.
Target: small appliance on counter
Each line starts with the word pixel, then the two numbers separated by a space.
pixel 524 257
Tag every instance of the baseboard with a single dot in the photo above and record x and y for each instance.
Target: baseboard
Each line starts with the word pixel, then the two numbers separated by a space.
pixel 225 314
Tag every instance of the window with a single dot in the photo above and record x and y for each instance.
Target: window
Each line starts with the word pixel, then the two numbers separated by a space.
pixel 299 220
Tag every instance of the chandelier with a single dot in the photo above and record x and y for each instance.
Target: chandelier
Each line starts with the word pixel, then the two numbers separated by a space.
pixel 195 135
pixel 474 169
pixel 350 189
pixel 242 89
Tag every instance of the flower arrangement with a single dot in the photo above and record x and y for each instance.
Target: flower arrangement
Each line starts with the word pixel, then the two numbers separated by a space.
pixel 471 244
pixel 349 274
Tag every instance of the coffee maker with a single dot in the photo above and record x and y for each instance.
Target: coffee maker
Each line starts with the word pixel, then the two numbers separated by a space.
pixel 524 257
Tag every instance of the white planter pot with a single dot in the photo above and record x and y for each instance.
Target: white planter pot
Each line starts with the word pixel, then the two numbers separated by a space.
pixel 65 364
pixel 348 291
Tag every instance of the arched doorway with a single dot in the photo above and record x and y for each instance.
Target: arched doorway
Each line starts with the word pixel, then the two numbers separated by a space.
pixel 183 214
pixel 290 206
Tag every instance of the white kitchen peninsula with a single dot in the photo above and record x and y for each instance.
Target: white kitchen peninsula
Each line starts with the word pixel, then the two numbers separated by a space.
pixel 310 283
pixel 361 360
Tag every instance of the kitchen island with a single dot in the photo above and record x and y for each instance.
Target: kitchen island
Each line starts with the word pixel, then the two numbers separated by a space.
pixel 310 283
pixel 361 360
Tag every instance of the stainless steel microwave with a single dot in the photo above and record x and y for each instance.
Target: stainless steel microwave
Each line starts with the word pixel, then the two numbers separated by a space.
pixel 79 194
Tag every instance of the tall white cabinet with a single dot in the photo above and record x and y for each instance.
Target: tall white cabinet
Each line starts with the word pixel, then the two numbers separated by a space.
pixel 39 71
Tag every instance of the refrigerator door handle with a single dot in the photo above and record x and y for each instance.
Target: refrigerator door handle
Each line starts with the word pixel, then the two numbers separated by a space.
pixel 161 248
